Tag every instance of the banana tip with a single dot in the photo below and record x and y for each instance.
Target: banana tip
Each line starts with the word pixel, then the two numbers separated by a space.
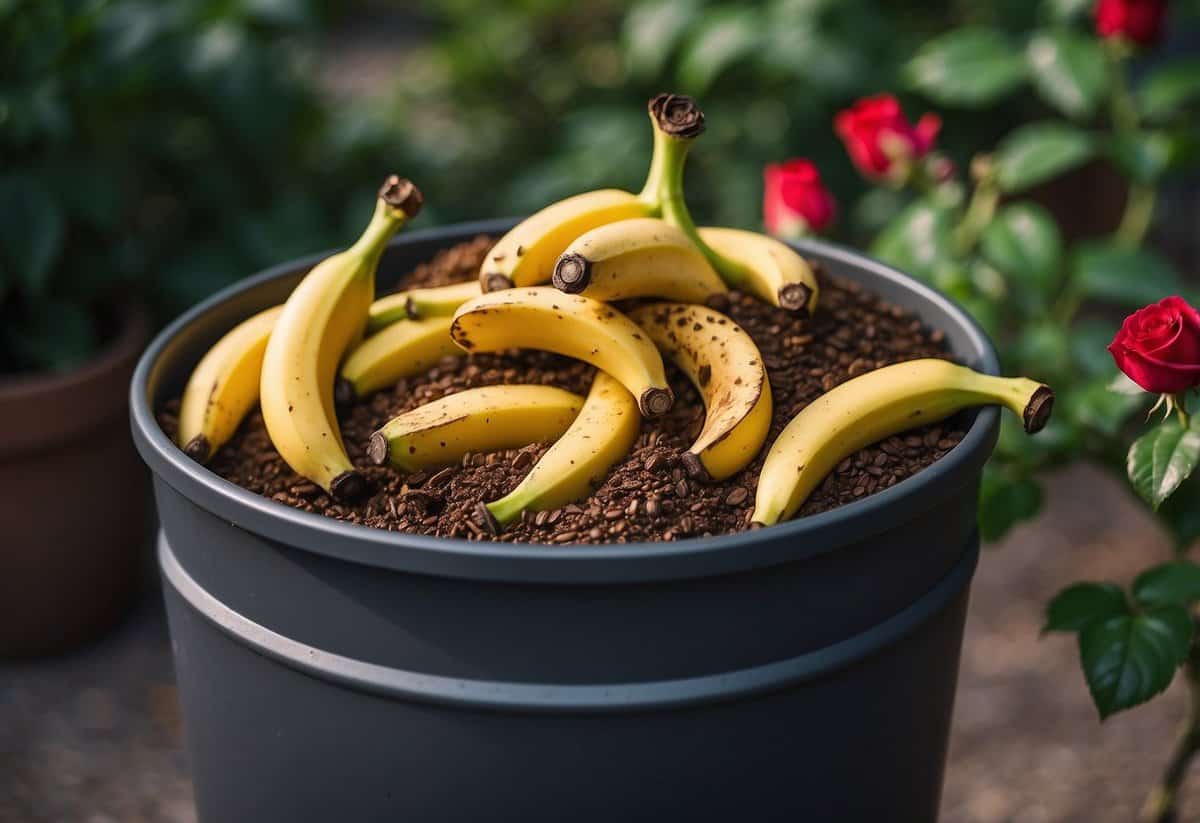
pixel 694 468
pixel 794 297
pixel 495 282
pixel 377 449
pixel 655 402
pixel 348 486
pixel 343 393
pixel 1037 411
pixel 485 518
pixel 572 273
pixel 198 448
pixel 677 115
pixel 402 193
pixel 410 309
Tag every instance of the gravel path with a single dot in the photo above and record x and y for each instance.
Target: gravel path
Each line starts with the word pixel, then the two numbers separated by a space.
pixel 95 737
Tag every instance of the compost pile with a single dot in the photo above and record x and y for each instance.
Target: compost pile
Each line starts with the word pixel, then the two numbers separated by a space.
pixel 606 371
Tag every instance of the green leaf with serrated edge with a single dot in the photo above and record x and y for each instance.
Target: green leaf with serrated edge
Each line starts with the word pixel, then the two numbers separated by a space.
pixel 917 240
pixel 1080 604
pixel 1126 276
pixel 1127 659
pixel 1023 242
pixel 1169 88
pixel 1169 583
pixel 1163 458
pixel 1005 501
pixel 1068 70
pixel 1039 151
pixel 966 67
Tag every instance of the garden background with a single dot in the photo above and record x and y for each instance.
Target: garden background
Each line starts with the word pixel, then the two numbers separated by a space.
pixel 173 148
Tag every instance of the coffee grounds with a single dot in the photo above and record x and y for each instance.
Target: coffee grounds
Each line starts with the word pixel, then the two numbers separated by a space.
pixel 646 497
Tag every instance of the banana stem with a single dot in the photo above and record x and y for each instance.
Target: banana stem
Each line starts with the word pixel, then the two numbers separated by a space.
pixel 663 192
pixel 398 200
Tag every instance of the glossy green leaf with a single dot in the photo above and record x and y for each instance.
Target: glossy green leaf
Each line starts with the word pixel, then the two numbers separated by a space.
pixel 652 32
pixel 972 66
pixel 917 240
pixel 1169 583
pixel 1125 276
pixel 1080 604
pixel 723 37
pixel 1068 70
pixel 1004 501
pixel 1039 151
pixel 1160 462
pixel 31 230
pixel 1128 659
pixel 1162 458
pixel 1023 242
pixel 1170 87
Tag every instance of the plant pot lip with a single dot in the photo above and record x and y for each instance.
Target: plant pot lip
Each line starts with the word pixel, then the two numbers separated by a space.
pixel 537 563
pixel 124 348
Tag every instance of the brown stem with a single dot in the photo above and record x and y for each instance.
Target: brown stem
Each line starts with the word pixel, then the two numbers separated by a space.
pixel 1162 805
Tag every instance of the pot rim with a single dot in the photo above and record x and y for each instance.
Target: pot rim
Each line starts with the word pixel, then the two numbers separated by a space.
pixel 539 563
pixel 133 331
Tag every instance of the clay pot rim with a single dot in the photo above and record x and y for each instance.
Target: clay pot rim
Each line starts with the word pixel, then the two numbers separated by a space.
pixel 134 330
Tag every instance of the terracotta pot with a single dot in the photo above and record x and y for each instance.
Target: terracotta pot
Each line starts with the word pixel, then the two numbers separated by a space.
pixel 73 500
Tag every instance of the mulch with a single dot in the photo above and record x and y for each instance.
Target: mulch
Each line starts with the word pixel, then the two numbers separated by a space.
pixel 646 497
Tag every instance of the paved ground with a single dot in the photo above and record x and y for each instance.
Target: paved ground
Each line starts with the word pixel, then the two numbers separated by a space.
pixel 95 737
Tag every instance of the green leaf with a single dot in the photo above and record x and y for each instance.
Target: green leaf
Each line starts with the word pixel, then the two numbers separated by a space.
pixel 1125 276
pixel 1081 604
pixel 917 240
pixel 31 230
pixel 652 32
pixel 723 37
pixel 1089 346
pixel 1169 88
pixel 1095 406
pixel 1064 11
pixel 1043 348
pixel 1181 512
pixel 1163 458
pixel 1144 156
pixel 1004 501
pixel 1177 583
pixel 1023 242
pixel 1068 70
pixel 1039 151
pixel 966 67
pixel 1127 659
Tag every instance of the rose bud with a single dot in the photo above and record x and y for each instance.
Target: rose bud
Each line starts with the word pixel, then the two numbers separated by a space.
pixel 1139 21
pixel 795 201
pixel 1158 346
pixel 881 141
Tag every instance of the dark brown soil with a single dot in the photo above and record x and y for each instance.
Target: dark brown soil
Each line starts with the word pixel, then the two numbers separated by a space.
pixel 648 496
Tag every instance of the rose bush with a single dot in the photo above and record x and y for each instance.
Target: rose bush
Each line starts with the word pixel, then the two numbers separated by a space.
pixel 1158 347
pixel 1140 21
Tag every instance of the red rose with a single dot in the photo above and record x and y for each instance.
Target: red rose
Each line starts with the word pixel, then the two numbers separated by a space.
pixel 795 200
pixel 1159 346
pixel 877 134
pixel 1138 20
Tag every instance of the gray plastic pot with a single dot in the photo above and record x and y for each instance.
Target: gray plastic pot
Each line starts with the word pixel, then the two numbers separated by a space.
pixel 334 672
